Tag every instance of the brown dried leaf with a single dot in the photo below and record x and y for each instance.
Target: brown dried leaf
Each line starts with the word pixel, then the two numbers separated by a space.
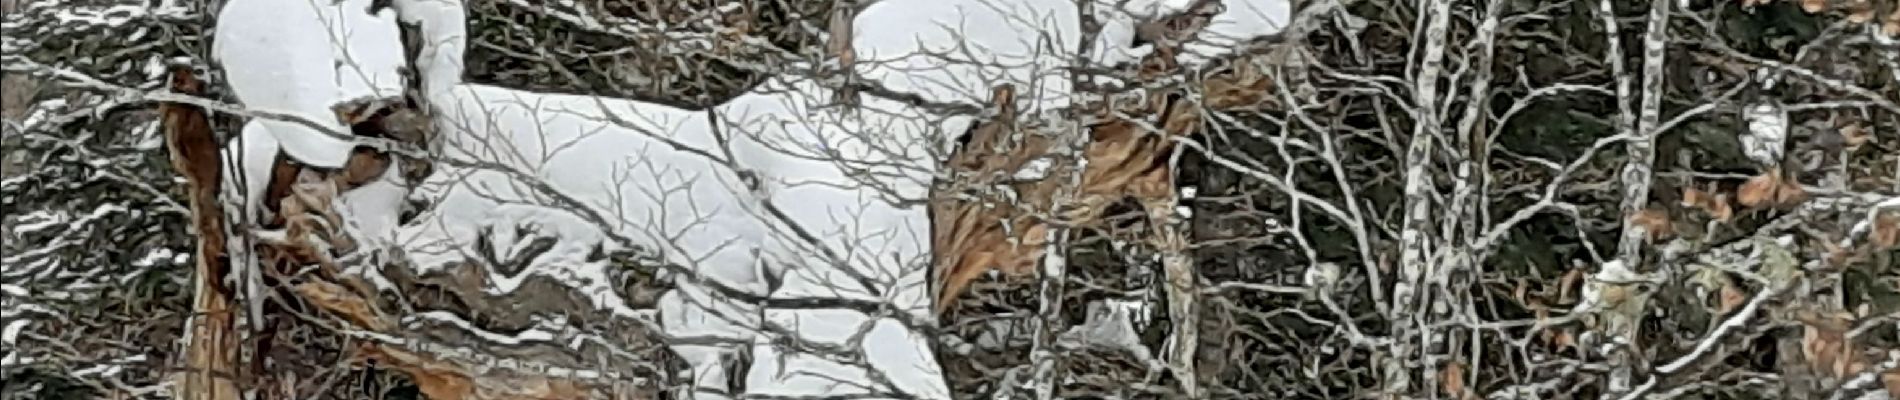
pixel 1654 221
pixel 1892 27
pixel 1813 6
pixel 1790 194
pixel 16 95
pixel 1758 191
pixel 1693 197
pixel 344 303
pixel 1854 136
pixel 1452 379
pixel 1715 205
pixel 1732 298
pixel 1892 379
pixel 1564 339
pixel 1824 343
pixel 1566 292
pixel 1886 231
pixel 1859 11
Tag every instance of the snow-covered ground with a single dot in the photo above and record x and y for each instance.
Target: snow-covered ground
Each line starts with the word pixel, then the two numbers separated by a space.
pixel 664 179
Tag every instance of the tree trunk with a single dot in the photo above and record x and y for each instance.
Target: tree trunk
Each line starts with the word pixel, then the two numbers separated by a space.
pixel 211 344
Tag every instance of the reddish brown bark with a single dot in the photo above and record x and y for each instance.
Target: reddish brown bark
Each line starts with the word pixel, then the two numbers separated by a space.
pixel 211 353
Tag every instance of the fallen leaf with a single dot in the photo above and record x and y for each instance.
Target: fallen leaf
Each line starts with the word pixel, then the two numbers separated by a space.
pixel 1824 343
pixel 1813 6
pixel 1860 11
pixel 1886 231
pixel 1564 339
pixel 1715 205
pixel 1757 191
pixel 1452 377
pixel 1731 298
pixel 1892 379
pixel 1693 197
pixel 1854 136
pixel 1790 194
pixel 1892 27
pixel 1566 294
pixel 1654 221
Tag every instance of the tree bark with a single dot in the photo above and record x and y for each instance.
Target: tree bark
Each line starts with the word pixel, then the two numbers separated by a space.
pixel 211 347
pixel 1416 253
pixel 1638 170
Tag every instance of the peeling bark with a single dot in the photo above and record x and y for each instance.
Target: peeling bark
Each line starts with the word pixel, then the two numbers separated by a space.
pixel 838 47
pixel 212 342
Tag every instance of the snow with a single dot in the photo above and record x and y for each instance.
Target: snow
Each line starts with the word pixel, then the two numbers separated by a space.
pixel 302 56
pixel 11 334
pixel 156 256
pixel 526 336
pixel 116 16
pixel 1241 21
pixel 1767 130
pixel 445 29
pixel 255 151
pixel 680 203
pixel 660 177
pixel 370 212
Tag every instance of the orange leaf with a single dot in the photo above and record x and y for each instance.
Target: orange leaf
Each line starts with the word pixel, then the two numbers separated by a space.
pixel 1654 221
pixel 1564 339
pixel 1813 6
pixel 1790 194
pixel 1757 191
pixel 1692 197
pixel 1716 205
pixel 1732 298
